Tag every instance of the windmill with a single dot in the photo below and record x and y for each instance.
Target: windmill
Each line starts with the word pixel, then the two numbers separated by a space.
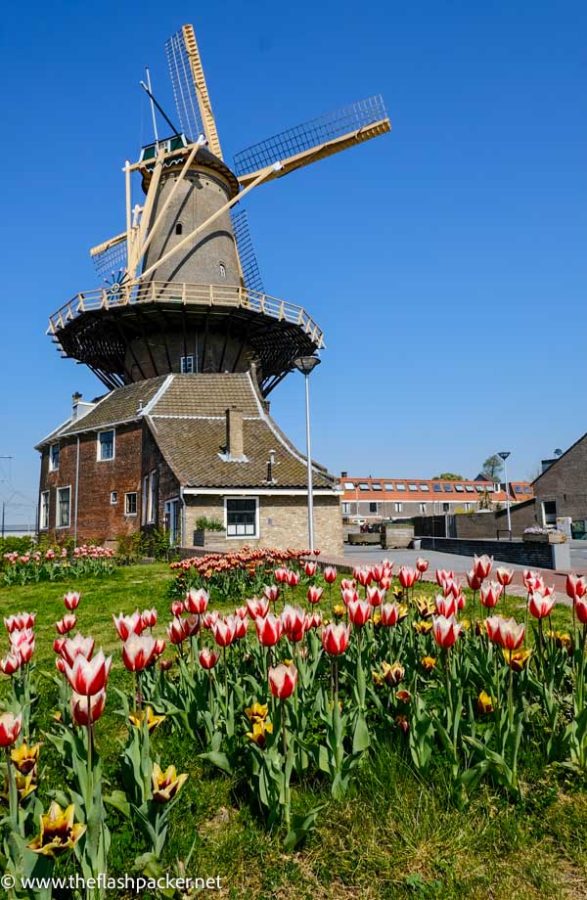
pixel 182 290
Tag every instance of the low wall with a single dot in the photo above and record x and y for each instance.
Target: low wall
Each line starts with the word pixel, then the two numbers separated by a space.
pixel 540 556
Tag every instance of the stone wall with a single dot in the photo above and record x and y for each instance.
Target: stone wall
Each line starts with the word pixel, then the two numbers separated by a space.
pixel 479 524
pixel 533 555
pixel 283 522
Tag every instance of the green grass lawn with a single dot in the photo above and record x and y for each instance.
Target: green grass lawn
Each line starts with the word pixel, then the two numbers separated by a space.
pixel 393 835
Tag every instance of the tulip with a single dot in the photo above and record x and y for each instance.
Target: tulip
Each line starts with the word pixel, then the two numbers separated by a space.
pixel 443 575
pixel 58 831
pixel 10 728
pixel 138 652
pixel 10 664
pixel 364 575
pixel 581 610
pixel 490 594
pixel 258 608
pixel 88 677
pixel 310 568
pixel 269 630
pixel 147 715
pixel 329 574
pixel 516 659
pixel 335 639
pixel 281 575
pixel 314 620
pixel 407 577
pixel 81 714
pixel 66 624
pixel 148 618
pixel 348 584
pixel 349 596
pixel 271 592
pixel 428 663
pixel 224 632
pixel 177 631
pixel 76 646
pixel 540 606
pixel 576 587
pixel 359 612
pixel 260 729
pixel 25 758
pixel 196 601
pixel 24 648
pixel 293 623
pixel 20 622
pixel 422 565
pixel 314 594
pixel 451 587
pixel 504 576
pixel 176 609
pixel 208 657
pixel 446 631
pixel 389 614
pixel 446 606
pixel 482 566
pixel 127 625
pixel 484 704
pixel 392 673
pixel 210 618
pixel 509 633
pixel 473 581
pixel 166 785
pixel 71 600
pixel 492 624
pixel 375 596
pixel 293 579
pixel 283 680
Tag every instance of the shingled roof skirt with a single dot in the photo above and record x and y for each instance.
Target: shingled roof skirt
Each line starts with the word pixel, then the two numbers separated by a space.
pixel 235 441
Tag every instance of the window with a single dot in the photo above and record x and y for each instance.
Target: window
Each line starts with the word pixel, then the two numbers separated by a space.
pixel 469 488
pixel 459 488
pixel 241 517
pixel 130 504
pixel 349 486
pixel 372 507
pixel 389 485
pixel 187 365
pixel 398 507
pixel 63 507
pixel 179 228
pixel 44 510
pixel 145 498
pixel 375 486
pixel 346 509
pixel 53 457
pixel 363 486
pixel 447 488
pixel 222 270
pixel 106 445
pixel 422 509
pixel 152 497
pixel 437 488
pixel 113 498
pixel 424 487
pixel 412 487
pixel 400 486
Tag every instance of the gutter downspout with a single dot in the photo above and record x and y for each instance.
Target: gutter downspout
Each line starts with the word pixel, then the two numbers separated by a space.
pixel 183 516
pixel 76 494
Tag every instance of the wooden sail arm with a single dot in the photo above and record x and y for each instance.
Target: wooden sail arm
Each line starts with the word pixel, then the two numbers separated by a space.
pixel 106 245
pixel 201 89
pixel 321 151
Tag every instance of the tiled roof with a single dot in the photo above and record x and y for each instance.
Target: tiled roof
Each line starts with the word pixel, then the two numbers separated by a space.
pixel 207 395
pixel 422 490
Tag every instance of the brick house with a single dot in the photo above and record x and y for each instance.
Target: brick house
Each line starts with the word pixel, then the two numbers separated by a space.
pixel 168 451
pixel 561 488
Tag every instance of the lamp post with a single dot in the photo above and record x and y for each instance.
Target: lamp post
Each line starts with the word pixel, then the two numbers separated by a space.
pixel 503 454
pixel 306 365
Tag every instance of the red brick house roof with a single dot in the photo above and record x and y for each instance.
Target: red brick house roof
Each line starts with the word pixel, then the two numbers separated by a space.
pixel 435 489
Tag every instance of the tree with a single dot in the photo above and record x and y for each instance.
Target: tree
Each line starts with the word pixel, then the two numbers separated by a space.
pixel 448 476
pixel 493 468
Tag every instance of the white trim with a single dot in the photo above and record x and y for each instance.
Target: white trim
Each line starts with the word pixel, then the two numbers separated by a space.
pixel 99 446
pixel 51 467
pixel 62 487
pixel 113 498
pixel 156 397
pixel 46 494
pixel 136 512
pixel 52 435
pixel 240 537
pixel 265 492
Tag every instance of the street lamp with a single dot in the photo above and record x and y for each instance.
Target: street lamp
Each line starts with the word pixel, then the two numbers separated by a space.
pixel 503 454
pixel 306 365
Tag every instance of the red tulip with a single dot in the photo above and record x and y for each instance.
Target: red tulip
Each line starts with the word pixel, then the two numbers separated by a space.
pixel 422 564
pixel 389 614
pixel 293 623
pixel 71 600
pixel 271 592
pixel 310 568
pixel 196 601
pixel 505 632
pixel 138 652
pixel 20 622
pixel 66 624
pixel 349 596
pixel 268 630
pixel 446 606
pixel 177 609
pixel 482 566
pixel 240 627
pixel 10 664
pixel 88 677
pixel 127 625
pixel 258 608
pixel 446 631
pixel 375 596
pixel 451 587
pixel 76 646
pixel 576 587
pixel 532 581
pixel 80 713
pixel 385 583
pixel 335 639
pixel 208 657
pixel 159 646
pixel 504 576
pixel 10 726
pixel 407 577
pixel 283 680
pixel 224 632
pixel 281 575
pixel 314 594
pixel 210 618
pixel 443 575
pixel 540 606
pixel 348 584
pixel 492 627
pixel 473 581
pixel 490 594
pixel 149 618
pixel 581 610
pixel 293 579
pixel 364 575
pixel 359 612
pixel 314 620
pixel 329 574
pixel 177 631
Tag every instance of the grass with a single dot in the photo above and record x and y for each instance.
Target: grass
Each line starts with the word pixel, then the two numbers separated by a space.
pixel 394 836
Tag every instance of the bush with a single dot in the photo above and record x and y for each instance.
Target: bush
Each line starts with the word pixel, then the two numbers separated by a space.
pixel 205 524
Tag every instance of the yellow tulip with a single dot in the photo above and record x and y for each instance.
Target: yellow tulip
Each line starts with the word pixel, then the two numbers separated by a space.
pixel 428 663
pixel 25 757
pixel 138 719
pixel 484 703
pixel 166 784
pixel 424 626
pixel 516 659
pixel 58 831
pixel 261 728
pixel 256 711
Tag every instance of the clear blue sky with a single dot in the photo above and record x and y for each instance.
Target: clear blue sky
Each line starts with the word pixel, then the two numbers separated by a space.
pixel 445 262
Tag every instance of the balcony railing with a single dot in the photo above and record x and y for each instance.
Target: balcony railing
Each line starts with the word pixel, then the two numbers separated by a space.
pixel 188 295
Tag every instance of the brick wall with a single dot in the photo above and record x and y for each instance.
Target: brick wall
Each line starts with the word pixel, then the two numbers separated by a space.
pixel 283 522
pixel 480 524
pixel 566 483
pixel 533 555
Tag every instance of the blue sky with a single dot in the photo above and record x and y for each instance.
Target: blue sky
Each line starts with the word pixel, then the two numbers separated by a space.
pixel 445 262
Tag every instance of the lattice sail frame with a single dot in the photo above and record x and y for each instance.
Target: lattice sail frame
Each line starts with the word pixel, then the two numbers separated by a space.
pixel 184 93
pixel 311 134
pixel 244 245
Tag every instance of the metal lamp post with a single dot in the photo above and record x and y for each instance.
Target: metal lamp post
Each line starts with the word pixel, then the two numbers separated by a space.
pixel 503 454
pixel 306 365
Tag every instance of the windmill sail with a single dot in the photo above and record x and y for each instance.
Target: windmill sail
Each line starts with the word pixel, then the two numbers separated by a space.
pixel 248 259
pixel 184 94
pixel 111 259
pixel 314 140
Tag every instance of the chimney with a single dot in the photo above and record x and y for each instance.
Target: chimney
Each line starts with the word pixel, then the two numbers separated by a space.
pixel 234 434
pixel 344 474
pixel 75 400
pixel 79 407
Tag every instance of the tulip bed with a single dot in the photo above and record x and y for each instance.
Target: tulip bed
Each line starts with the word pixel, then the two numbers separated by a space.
pixel 55 564
pixel 371 735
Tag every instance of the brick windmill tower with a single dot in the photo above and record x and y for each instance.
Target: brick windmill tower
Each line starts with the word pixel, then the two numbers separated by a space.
pixel 189 345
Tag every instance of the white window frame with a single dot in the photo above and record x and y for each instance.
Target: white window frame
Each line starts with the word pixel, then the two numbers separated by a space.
pixel 398 507
pixel 52 466
pixel 63 487
pixel 44 510
pixel 186 364
pixel 346 509
pixel 128 494
pixel 240 537
pixel 99 456
pixel 151 499
pixel 113 498
pixel 144 499
pixel 422 509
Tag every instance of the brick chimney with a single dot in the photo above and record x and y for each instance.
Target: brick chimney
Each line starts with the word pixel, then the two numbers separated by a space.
pixel 235 447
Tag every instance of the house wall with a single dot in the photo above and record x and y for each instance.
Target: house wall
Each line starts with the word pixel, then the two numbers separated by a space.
pixel 283 522
pixel 566 483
